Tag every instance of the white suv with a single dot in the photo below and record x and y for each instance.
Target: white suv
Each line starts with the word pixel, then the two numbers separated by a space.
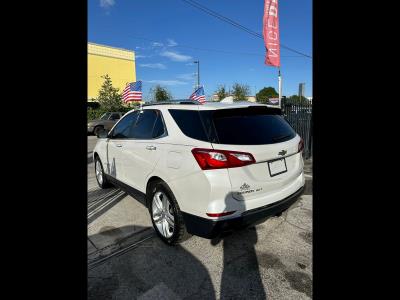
pixel 203 168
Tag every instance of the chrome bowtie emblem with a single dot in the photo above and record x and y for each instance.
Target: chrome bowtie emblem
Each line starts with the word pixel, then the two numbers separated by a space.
pixel 283 152
pixel 244 186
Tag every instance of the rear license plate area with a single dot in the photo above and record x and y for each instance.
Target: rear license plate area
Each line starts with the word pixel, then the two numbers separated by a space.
pixel 277 167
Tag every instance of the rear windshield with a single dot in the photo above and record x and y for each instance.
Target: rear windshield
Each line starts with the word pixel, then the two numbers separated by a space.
pixel 239 126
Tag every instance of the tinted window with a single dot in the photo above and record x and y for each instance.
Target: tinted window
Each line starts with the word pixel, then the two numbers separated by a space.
pixel 114 117
pixel 190 123
pixel 143 128
pixel 159 128
pixel 123 128
pixel 242 126
pixel 251 126
pixel 105 116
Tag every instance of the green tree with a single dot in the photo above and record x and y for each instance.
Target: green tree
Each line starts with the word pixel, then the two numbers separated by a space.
pixel 240 92
pixel 130 105
pixel 221 92
pixel 109 97
pixel 264 94
pixel 159 93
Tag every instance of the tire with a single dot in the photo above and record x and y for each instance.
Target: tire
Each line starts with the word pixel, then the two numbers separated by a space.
pixel 101 180
pixel 158 191
pixel 97 129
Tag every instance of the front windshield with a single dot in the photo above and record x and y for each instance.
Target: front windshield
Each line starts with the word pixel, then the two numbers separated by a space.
pixel 105 116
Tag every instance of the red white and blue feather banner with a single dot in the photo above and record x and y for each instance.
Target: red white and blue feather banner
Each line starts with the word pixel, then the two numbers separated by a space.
pixel 271 33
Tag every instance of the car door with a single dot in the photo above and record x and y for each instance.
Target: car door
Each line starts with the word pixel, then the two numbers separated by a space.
pixel 142 151
pixel 118 139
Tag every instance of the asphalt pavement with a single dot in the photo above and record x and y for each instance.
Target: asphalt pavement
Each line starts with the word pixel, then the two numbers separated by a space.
pixel 127 261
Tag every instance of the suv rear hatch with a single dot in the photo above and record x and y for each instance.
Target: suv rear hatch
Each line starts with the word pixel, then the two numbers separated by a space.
pixel 267 136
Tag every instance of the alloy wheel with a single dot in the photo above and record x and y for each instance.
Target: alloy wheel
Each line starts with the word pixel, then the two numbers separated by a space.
pixel 163 215
pixel 99 172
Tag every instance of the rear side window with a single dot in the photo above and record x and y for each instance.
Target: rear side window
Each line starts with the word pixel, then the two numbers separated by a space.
pixel 251 126
pixel 190 123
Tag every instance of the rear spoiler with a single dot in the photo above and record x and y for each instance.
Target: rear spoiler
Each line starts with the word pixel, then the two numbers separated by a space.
pixel 274 110
pixel 271 110
pixel 255 109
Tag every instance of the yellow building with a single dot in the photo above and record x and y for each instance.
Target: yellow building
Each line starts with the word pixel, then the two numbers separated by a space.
pixel 118 63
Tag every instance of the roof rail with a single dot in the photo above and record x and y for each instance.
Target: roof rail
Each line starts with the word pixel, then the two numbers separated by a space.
pixel 180 101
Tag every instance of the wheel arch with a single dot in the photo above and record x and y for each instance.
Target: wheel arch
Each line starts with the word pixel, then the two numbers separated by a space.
pixel 153 179
pixel 95 155
pixel 150 182
pixel 97 126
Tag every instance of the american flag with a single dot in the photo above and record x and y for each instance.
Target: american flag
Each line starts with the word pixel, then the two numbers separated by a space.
pixel 132 92
pixel 198 95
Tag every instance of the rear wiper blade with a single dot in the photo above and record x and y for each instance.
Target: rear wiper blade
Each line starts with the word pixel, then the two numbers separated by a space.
pixel 279 138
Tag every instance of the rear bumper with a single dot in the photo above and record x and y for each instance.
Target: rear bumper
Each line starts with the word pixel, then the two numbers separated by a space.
pixel 209 229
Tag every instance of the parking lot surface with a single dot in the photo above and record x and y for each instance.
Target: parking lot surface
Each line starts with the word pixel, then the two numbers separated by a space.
pixel 127 261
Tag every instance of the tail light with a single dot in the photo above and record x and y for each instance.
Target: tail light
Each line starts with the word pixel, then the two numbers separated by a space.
pixel 301 145
pixel 216 215
pixel 219 159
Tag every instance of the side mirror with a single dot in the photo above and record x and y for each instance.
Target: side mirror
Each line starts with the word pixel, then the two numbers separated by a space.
pixel 102 134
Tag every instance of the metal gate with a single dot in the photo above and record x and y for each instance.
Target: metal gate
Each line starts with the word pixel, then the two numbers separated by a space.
pixel 299 115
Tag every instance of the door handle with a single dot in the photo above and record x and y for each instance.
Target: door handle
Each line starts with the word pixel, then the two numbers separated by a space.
pixel 118 145
pixel 151 147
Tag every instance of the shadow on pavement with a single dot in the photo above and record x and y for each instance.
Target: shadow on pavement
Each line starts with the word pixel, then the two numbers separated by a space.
pixel 308 189
pixel 90 157
pixel 153 270
pixel 241 277
pixel 100 201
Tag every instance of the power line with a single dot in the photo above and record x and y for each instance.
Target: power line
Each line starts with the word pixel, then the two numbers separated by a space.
pixel 221 17
pixel 236 24
pixel 208 49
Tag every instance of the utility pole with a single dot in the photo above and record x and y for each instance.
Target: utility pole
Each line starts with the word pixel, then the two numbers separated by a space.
pixel 280 87
pixel 198 73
